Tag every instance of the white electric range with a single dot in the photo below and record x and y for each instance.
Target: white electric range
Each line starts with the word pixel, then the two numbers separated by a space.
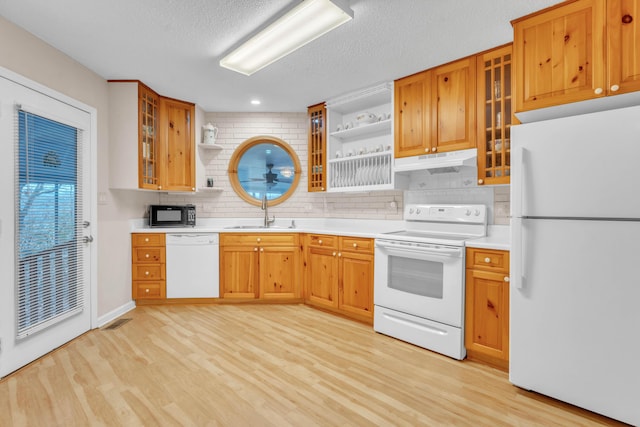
pixel 419 276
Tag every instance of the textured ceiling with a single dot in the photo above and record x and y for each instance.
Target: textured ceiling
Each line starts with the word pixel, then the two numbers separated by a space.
pixel 174 45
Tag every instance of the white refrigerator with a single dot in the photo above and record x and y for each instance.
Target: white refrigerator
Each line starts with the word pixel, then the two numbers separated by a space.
pixel 575 261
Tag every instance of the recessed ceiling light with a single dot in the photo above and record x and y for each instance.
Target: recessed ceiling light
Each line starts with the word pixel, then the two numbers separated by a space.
pixel 255 102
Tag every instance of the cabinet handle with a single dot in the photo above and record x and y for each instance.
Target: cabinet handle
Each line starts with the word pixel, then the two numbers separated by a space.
pixel 339 254
pixel 355 245
pixel 261 249
pixel 193 188
pixel 320 241
pixel 426 150
pixel 258 240
pixel 598 91
pixel 146 273
pixel 146 239
pixel 481 181
pixel 159 187
pixel 255 249
pixel 615 88
pixel 147 290
pixel 434 149
pixel 487 260
pixel 506 279
pixel 334 254
pixel 146 256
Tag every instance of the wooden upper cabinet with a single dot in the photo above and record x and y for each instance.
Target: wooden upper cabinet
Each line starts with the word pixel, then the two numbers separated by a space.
pixel 559 55
pixel 317 116
pixel 454 106
pixel 178 141
pixel 494 115
pixel 623 46
pixel 148 143
pixel 413 114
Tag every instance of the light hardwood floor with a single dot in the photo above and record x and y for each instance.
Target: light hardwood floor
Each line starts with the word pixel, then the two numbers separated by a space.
pixel 263 365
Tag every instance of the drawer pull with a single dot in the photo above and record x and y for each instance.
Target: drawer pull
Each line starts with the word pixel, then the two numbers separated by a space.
pixel 339 254
pixel 146 239
pixel 258 240
pixel 255 249
pixel 487 260
pixel 146 273
pixel 334 254
pixel 355 245
pixel 615 88
pixel 506 279
pixel 147 290
pixel 261 249
pixel 146 256
pixel 320 241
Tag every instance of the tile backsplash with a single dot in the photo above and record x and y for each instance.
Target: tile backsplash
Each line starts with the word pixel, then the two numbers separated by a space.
pixel 235 128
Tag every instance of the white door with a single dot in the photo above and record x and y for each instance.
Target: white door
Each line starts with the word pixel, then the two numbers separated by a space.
pixel 45 230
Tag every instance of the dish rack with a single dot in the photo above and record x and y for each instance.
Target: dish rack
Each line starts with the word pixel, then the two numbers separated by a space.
pixel 357 173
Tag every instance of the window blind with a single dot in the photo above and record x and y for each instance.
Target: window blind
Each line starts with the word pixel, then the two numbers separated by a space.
pixel 48 215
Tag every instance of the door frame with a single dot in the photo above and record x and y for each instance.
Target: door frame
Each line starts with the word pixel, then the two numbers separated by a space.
pixel 93 175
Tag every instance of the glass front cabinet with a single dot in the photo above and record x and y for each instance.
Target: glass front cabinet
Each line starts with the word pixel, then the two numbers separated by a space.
pixel 148 111
pixel 495 116
pixel 317 147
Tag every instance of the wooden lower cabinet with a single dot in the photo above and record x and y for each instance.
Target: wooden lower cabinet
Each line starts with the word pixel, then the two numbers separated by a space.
pixel 148 266
pixel 260 266
pixel 487 306
pixel 339 275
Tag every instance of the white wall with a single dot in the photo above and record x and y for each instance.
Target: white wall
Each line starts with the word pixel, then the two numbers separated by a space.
pixel 29 56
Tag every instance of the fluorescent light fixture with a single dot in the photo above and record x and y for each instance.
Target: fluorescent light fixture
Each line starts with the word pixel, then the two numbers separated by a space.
pixel 307 21
pixel 255 102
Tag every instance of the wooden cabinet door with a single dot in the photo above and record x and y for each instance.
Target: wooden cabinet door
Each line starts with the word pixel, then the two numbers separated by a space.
pixel 559 55
pixel 623 44
pixel 356 284
pixel 280 272
pixel 453 106
pixel 178 132
pixel 148 141
pixel 322 277
pixel 487 315
pixel 239 272
pixel 412 114
pixel 317 116
pixel 495 115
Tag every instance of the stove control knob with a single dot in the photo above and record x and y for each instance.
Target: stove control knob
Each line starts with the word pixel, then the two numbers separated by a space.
pixel 467 212
pixel 418 211
pixel 477 212
pixel 410 211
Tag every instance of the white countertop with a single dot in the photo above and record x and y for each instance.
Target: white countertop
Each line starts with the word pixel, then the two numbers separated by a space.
pixel 498 235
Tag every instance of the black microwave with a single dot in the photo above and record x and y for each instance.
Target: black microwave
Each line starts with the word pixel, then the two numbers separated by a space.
pixel 172 216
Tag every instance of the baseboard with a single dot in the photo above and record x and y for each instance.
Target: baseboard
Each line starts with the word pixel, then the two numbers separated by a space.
pixel 103 320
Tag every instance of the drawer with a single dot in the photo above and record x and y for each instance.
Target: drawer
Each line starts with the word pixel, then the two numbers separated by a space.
pixel 488 259
pixel 148 272
pixel 154 255
pixel 262 239
pixel 144 290
pixel 356 244
pixel 147 239
pixel 322 241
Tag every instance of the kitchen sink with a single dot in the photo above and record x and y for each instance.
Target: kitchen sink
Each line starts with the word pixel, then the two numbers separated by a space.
pixel 253 227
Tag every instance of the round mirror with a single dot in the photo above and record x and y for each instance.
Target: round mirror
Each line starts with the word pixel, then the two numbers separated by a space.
pixel 264 165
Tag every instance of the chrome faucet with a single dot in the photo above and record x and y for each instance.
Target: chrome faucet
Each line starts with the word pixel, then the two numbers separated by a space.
pixel 265 208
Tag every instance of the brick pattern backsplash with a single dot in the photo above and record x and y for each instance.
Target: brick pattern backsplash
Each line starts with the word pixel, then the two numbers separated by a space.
pixel 235 128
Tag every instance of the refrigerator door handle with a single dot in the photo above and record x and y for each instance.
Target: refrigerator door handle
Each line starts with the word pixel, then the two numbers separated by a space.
pixel 517 258
pixel 517 181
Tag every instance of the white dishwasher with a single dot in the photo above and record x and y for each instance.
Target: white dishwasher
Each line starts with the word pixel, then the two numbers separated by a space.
pixel 192 265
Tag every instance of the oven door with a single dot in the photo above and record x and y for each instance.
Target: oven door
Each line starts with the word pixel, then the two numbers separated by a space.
pixel 423 280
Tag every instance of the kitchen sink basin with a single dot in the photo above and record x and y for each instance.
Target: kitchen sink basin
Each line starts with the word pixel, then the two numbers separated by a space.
pixel 252 227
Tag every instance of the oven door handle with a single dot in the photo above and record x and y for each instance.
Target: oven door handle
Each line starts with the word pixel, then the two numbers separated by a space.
pixel 416 248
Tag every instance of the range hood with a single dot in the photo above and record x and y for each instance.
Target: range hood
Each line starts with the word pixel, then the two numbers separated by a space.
pixel 450 161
